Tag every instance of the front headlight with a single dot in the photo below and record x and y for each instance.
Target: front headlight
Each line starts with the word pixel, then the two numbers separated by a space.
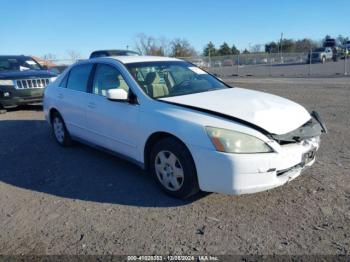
pixel 7 83
pixel 235 142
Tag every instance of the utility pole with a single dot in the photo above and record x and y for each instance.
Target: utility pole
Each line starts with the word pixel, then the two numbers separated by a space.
pixel 281 47
pixel 209 57
pixel 310 62
pixel 345 62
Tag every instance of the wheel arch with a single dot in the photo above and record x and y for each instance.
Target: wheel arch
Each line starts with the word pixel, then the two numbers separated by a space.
pixel 52 111
pixel 152 140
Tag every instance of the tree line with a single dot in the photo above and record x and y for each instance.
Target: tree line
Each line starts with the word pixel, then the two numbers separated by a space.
pixel 149 45
pixel 302 45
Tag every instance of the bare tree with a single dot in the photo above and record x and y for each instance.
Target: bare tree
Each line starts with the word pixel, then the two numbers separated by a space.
pixel 256 48
pixel 47 59
pixel 181 48
pixel 73 54
pixel 49 56
pixel 149 45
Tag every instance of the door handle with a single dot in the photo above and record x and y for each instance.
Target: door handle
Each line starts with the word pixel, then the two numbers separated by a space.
pixel 92 105
pixel 60 96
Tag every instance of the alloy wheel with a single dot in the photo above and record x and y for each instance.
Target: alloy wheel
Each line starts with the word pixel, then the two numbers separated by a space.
pixel 59 131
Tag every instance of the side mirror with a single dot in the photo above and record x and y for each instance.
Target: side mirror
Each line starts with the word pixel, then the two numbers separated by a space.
pixel 45 67
pixel 117 94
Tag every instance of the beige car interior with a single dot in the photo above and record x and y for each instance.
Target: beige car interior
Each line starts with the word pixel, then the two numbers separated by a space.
pixel 155 86
pixel 104 82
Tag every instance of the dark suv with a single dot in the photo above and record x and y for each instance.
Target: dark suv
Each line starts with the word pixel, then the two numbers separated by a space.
pixel 22 81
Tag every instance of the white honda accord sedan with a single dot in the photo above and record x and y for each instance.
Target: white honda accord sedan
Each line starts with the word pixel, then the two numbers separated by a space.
pixel 190 129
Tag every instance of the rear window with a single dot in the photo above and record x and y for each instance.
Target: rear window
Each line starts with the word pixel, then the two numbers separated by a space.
pixel 79 77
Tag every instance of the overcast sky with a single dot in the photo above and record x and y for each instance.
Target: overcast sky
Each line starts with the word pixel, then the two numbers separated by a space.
pixel 38 27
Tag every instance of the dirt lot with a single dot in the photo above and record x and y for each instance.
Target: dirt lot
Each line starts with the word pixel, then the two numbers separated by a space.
pixel 81 201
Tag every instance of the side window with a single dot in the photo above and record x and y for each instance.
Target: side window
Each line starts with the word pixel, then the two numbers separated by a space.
pixel 79 77
pixel 107 77
pixel 64 81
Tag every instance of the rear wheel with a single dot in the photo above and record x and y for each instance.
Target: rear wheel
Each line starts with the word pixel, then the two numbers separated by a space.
pixel 173 168
pixel 59 130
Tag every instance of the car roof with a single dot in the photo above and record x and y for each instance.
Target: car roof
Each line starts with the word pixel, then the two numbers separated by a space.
pixel 138 59
pixel 113 52
pixel 14 56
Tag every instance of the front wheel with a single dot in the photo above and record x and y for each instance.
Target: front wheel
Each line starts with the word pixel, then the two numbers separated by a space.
pixel 323 60
pixel 60 131
pixel 2 110
pixel 173 168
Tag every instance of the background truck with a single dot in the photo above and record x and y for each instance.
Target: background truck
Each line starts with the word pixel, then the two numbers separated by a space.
pixel 321 55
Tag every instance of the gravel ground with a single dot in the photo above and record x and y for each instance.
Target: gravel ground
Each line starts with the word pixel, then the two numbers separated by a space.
pixel 82 201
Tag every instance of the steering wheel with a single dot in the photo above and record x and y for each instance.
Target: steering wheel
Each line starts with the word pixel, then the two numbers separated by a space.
pixel 181 86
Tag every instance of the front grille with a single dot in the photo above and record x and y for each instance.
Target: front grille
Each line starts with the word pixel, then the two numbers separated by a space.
pixel 32 83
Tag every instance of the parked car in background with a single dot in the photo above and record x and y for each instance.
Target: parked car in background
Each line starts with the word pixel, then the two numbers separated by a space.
pixel 228 62
pixel 336 47
pixel 22 81
pixel 199 62
pixel 330 42
pixel 263 60
pixel 116 52
pixel 347 45
pixel 179 122
pixel 217 63
pixel 320 55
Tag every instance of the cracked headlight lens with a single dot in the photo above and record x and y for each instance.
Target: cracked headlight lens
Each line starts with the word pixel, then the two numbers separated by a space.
pixel 229 141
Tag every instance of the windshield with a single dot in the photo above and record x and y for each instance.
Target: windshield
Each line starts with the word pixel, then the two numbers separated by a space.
pixel 18 64
pixel 165 79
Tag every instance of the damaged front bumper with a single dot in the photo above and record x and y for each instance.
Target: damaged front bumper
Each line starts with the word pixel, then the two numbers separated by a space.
pixel 250 173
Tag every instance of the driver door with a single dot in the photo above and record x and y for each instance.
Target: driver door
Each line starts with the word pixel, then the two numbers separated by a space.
pixel 111 124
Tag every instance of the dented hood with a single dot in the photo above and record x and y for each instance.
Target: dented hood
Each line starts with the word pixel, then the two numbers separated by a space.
pixel 272 113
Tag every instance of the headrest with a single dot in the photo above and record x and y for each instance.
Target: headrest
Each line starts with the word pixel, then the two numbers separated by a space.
pixel 150 77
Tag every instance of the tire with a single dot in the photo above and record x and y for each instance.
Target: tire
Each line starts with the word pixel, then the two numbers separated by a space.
pixel 60 131
pixel 2 110
pixel 173 168
pixel 323 60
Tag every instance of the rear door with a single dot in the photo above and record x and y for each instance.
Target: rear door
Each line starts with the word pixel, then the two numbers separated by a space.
pixel 73 98
pixel 112 124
